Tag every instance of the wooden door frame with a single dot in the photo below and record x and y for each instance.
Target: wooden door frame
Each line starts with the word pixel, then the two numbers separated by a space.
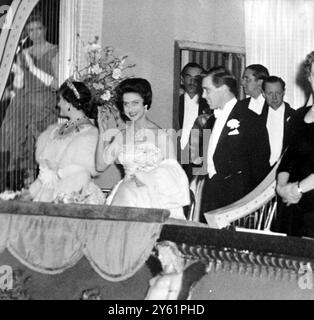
pixel 180 45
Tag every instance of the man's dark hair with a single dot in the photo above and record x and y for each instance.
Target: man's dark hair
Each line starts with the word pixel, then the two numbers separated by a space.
pixel 259 71
pixel 216 69
pixel 191 65
pixel 220 78
pixel 273 79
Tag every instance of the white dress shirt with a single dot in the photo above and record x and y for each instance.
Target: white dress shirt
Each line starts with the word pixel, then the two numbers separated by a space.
pixel 191 108
pixel 275 127
pixel 256 105
pixel 216 132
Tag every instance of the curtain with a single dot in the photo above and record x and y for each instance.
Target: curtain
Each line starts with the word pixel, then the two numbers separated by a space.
pixel 83 17
pixel 68 30
pixel 279 34
pixel 116 250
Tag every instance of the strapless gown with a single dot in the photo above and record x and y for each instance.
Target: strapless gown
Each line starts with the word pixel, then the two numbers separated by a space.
pixel 150 181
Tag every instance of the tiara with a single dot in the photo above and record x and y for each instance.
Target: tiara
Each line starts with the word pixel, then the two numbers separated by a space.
pixel 72 87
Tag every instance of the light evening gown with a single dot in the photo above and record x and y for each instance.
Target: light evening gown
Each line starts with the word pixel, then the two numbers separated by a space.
pixel 67 165
pixel 150 180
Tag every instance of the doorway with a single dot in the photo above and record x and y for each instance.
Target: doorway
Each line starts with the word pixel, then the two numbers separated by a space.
pixel 207 56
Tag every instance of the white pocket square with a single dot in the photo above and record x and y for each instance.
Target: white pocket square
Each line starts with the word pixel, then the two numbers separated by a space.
pixel 234 132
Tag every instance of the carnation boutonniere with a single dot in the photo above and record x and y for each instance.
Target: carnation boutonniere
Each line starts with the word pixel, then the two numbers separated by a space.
pixel 234 125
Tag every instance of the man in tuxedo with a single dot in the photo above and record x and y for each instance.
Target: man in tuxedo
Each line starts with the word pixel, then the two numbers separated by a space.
pixel 237 159
pixel 191 106
pixel 277 120
pixel 276 116
pixel 252 81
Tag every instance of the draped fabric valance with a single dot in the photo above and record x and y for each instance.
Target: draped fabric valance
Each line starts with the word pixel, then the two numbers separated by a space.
pixel 115 249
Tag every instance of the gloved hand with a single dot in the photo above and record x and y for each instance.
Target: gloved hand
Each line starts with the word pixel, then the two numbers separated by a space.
pixel 48 176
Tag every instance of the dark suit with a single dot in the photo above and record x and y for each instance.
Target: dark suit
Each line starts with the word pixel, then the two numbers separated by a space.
pixel 245 105
pixel 203 108
pixel 285 220
pixel 289 112
pixel 241 160
pixel 185 155
pixel 264 115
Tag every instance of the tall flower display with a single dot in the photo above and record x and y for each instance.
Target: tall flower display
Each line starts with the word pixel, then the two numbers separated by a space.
pixel 102 73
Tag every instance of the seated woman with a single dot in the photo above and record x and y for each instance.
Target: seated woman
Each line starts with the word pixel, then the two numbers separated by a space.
pixel 295 182
pixel 66 152
pixel 153 177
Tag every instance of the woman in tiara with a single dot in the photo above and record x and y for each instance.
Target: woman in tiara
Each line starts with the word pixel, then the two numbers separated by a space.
pixel 66 152
pixel 153 177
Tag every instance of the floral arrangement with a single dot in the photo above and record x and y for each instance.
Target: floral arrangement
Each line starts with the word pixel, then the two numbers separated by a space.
pixel 10 195
pixel 74 197
pixel 102 74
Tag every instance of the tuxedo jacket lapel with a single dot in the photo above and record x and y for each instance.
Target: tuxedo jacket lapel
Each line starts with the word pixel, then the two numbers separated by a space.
pixel 286 118
pixel 224 132
pixel 264 114
pixel 289 112
pixel 181 111
pixel 203 107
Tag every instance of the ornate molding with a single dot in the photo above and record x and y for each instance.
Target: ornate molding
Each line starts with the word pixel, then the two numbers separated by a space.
pixel 186 45
pixel 225 257
pixel 206 259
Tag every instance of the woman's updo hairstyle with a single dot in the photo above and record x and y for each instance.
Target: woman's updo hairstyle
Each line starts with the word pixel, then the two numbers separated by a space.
pixel 134 85
pixel 78 94
pixel 35 17
pixel 307 65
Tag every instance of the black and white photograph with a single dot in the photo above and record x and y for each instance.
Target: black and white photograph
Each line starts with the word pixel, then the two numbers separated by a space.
pixel 155 155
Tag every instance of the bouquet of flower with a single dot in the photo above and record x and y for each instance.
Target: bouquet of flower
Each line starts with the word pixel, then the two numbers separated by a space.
pixel 10 195
pixel 73 197
pixel 102 74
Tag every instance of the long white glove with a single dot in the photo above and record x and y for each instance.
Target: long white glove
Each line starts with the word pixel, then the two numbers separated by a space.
pixel 41 75
pixel 18 81
pixel 69 170
pixel 48 177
